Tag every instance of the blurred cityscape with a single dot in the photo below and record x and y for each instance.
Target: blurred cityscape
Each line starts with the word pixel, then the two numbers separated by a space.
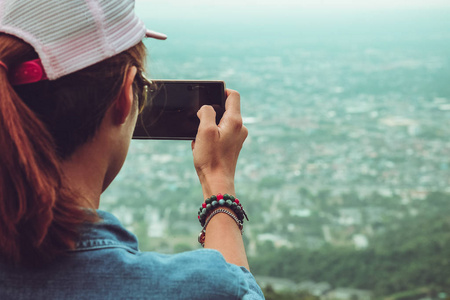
pixel 345 140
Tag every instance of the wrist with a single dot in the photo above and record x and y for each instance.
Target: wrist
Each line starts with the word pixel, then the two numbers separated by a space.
pixel 214 185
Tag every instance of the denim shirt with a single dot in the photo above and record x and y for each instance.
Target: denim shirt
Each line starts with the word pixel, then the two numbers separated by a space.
pixel 107 264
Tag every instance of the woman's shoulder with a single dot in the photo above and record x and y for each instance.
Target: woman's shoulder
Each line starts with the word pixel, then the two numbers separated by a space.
pixel 197 264
pixel 115 273
pixel 198 257
pixel 204 271
pixel 194 274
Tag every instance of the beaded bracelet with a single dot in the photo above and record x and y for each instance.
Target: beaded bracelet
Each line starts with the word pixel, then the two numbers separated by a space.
pixel 215 201
pixel 201 236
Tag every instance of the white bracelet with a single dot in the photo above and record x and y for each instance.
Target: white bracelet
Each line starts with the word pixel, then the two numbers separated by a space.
pixel 201 236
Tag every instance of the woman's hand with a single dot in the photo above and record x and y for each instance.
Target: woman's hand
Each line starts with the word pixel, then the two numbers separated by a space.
pixel 216 147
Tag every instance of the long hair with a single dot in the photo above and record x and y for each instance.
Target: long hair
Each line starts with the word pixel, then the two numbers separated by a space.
pixel 41 124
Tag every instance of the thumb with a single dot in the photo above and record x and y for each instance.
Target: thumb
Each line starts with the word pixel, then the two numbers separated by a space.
pixel 208 127
pixel 207 116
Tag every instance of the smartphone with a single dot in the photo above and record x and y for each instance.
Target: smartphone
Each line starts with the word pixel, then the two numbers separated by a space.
pixel 172 106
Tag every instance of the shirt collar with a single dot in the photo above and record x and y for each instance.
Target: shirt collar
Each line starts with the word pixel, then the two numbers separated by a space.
pixel 108 232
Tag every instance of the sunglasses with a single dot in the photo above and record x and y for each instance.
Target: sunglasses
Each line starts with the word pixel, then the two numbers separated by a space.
pixel 143 85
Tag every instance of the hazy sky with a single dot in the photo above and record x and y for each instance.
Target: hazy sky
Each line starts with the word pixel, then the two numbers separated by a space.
pixel 238 10
pixel 303 4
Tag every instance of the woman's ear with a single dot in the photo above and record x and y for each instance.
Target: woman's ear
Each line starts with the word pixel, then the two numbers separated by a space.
pixel 124 104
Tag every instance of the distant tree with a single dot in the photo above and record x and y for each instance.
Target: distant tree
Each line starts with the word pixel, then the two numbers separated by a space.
pixel 352 199
pixel 181 248
pixel 413 253
pixel 304 192
pixel 439 200
pixel 271 182
pixel 271 294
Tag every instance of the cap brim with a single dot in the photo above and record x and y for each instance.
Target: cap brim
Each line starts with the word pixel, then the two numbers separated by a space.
pixel 155 35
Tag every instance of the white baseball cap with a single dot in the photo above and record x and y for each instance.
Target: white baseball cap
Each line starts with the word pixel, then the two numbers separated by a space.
pixel 70 35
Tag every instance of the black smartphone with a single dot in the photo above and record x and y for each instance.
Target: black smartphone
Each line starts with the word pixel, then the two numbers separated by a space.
pixel 172 106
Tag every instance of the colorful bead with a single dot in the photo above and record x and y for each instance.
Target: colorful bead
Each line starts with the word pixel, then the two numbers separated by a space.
pixel 220 200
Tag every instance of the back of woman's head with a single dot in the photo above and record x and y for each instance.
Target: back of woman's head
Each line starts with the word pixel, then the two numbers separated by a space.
pixel 42 124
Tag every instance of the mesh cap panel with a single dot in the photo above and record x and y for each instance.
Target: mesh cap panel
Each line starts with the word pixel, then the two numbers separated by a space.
pixel 69 35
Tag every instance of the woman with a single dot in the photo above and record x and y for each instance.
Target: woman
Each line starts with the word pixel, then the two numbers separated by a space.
pixel 71 87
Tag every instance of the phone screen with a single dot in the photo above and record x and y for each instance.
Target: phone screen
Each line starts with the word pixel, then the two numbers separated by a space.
pixel 172 106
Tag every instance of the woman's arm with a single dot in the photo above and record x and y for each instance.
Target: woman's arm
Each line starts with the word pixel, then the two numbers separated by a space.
pixel 216 151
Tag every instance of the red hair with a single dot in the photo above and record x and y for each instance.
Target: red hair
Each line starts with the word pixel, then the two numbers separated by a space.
pixel 40 215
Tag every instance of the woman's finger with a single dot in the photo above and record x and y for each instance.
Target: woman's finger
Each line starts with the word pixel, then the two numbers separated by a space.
pixel 207 127
pixel 233 103
pixel 207 116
